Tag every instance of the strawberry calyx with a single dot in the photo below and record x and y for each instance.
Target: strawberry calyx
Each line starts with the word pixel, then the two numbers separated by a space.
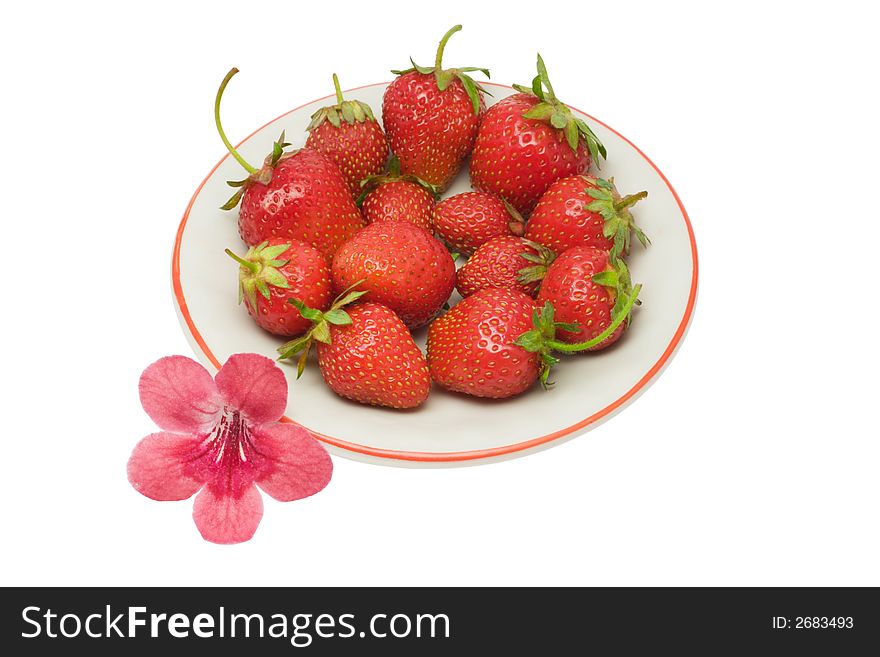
pixel 540 263
pixel 553 111
pixel 349 111
pixel 542 338
pixel 321 322
pixel 263 174
pixel 539 339
pixel 258 269
pixel 617 280
pixel 517 224
pixel 393 174
pixel 614 209
pixel 444 77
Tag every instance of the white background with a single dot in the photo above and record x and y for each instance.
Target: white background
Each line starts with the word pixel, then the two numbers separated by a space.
pixel 752 460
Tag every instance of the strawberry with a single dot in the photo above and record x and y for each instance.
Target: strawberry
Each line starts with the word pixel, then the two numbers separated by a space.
pixel 588 289
pixel 497 342
pixel 397 197
pixel 504 262
pixel 528 140
pixel 349 135
pixel 297 195
pixel 399 265
pixel 279 270
pixel 431 117
pixel 471 347
pixel 585 211
pixel 543 341
pixel 466 221
pixel 365 353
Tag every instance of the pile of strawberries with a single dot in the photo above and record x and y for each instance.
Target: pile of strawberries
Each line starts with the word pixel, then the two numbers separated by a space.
pixel 351 247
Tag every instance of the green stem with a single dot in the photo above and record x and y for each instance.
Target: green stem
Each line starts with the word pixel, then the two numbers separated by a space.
pixel 627 201
pixel 339 297
pixel 338 89
pixel 442 46
pixel 253 266
pixel 580 346
pixel 229 146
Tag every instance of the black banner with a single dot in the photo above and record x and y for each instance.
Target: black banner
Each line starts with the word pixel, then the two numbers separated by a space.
pixel 441 621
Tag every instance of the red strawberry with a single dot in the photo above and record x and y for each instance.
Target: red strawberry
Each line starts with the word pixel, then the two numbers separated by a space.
pixel 279 270
pixel 431 117
pixel 471 347
pixel 297 195
pixel 365 353
pixel 528 140
pixel 497 342
pixel 349 135
pixel 399 265
pixel 506 261
pixel 396 197
pixel 588 290
pixel 585 211
pixel 543 341
pixel 466 221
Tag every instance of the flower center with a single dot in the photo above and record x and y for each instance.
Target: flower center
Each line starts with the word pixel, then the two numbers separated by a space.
pixel 230 441
pixel 228 460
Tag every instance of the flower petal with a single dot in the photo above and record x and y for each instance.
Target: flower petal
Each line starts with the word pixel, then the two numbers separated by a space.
pixel 159 466
pixel 296 465
pixel 254 385
pixel 179 395
pixel 227 518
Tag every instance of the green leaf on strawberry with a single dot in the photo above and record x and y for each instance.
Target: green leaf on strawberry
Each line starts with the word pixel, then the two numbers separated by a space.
pixel 540 263
pixel 623 291
pixel 553 111
pixel 538 339
pixel 320 331
pixel 444 77
pixel 606 278
pixel 338 317
pixel 619 222
pixel 350 111
pixel 258 269
pixel 392 175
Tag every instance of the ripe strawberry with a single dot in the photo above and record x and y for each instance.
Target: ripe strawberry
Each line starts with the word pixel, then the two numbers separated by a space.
pixel 505 262
pixel 349 135
pixel 471 347
pixel 543 341
pixel 401 266
pixel 588 290
pixel 396 197
pixel 467 221
pixel 497 342
pixel 279 270
pixel 585 211
pixel 528 140
pixel 297 195
pixel 431 117
pixel 365 353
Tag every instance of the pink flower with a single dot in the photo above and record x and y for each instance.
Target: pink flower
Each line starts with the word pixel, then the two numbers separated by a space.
pixel 221 436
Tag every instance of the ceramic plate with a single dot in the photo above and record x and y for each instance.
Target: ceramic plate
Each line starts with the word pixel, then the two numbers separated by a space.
pixel 448 429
